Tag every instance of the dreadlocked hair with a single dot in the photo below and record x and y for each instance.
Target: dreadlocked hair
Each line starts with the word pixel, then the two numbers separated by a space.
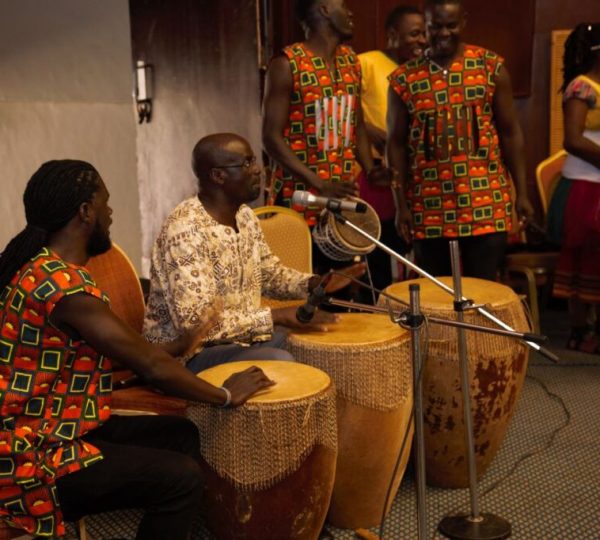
pixel 52 198
pixel 579 56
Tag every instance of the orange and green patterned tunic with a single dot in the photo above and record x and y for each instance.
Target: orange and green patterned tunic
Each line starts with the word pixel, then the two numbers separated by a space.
pixel 322 120
pixel 53 390
pixel 458 184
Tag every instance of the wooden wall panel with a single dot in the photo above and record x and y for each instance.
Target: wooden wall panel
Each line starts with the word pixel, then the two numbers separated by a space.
pixel 482 29
pixel 206 79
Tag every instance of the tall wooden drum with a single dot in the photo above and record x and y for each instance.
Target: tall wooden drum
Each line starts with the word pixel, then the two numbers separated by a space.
pixel 368 358
pixel 497 367
pixel 269 464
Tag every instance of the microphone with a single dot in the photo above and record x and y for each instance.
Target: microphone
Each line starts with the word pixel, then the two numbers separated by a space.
pixel 305 198
pixel 306 311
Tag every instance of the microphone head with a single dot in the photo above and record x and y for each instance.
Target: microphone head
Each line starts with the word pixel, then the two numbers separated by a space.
pixel 302 198
pixel 361 208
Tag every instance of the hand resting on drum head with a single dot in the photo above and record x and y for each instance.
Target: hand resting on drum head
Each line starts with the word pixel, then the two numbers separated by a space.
pixel 244 384
pixel 286 316
pixel 318 287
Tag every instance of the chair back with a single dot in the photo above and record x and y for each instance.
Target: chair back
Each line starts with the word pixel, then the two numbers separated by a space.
pixel 547 175
pixel 115 274
pixel 288 236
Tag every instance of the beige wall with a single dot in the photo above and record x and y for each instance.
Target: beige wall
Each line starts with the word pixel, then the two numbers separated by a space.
pixel 66 93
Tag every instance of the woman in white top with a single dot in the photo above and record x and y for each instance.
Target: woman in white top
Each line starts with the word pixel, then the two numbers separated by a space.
pixel 578 271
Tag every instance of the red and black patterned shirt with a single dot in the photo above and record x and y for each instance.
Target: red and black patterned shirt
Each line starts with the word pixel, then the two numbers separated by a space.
pixel 53 390
pixel 458 184
pixel 321 130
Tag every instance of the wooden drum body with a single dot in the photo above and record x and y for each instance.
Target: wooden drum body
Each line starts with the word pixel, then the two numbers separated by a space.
pixel 269 464
pixel 497 367
pixel 368 357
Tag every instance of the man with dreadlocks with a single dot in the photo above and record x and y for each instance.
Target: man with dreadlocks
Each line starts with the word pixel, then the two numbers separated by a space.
pixel 578 270
pixel 62 455
pixel 454 137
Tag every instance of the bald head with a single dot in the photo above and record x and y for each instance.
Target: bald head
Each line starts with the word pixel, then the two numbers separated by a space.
pixel 226 168
pixel 217 150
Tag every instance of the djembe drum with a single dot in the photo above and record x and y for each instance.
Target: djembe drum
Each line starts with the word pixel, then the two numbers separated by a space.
pixel 269 464
pixel 339 241
pixel 497 367
pixel 368 358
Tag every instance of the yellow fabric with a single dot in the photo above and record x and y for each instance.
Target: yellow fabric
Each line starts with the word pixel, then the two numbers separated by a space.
pixel 592 120
pixel 376 66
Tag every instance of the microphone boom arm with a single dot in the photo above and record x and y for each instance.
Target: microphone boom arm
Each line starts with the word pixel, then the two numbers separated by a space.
pixel 341 218
pixel 402 319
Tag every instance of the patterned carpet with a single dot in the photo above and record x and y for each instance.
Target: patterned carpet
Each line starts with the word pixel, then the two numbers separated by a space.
pixel 545 480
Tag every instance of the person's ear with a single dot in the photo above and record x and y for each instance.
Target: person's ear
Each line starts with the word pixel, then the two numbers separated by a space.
pixel 86 213
pixel 217 176
pixel 323 9
pixel 392 37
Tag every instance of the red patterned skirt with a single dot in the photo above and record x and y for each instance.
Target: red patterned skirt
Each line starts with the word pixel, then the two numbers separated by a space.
pixel 578 269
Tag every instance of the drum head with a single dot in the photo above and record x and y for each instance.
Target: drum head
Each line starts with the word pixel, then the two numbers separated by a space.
pixel 293 380
pixel 354 329
pixel 368 222
pixel 480 291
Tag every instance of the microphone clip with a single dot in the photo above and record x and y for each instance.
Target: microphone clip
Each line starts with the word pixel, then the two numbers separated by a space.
pixel 408 321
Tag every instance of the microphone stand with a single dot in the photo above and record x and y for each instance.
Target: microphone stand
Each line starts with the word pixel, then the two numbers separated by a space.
pixel 476 526
pixel 343 219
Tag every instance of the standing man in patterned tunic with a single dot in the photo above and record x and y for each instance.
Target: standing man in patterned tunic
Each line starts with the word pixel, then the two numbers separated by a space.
pixel 312 119
pixel 62 454
pixel 454 137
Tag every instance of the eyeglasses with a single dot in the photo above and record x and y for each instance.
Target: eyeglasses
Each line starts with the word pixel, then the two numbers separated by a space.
pixel 247 164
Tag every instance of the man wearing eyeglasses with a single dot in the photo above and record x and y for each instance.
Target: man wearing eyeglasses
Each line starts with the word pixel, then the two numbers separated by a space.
pixel 211 253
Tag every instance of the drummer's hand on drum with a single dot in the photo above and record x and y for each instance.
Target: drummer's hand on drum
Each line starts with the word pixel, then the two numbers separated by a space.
pixel 244 384
pixel 338 282
pixel 286 316
pixel 338 190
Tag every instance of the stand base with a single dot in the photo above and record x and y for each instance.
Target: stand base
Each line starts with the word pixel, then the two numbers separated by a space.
pixel 463 527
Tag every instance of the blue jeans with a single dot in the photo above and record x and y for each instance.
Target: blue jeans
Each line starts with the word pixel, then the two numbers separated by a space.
pixel 222 354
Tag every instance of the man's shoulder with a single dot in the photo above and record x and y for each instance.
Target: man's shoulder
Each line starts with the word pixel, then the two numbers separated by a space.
pixel 46 275
pixel 248 215
pixel 48 263
pixel 407 69
pixel 294 49
pixel 476 51
pixel 185 212
pixel 370 60
pixel 371 56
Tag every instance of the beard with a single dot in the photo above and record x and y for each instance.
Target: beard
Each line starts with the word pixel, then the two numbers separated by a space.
pixel 99 241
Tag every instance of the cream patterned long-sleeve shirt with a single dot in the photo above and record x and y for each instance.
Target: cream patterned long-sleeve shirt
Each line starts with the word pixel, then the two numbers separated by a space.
pixel 196 261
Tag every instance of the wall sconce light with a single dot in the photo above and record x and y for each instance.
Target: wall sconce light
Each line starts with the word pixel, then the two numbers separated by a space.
pixel 142 90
